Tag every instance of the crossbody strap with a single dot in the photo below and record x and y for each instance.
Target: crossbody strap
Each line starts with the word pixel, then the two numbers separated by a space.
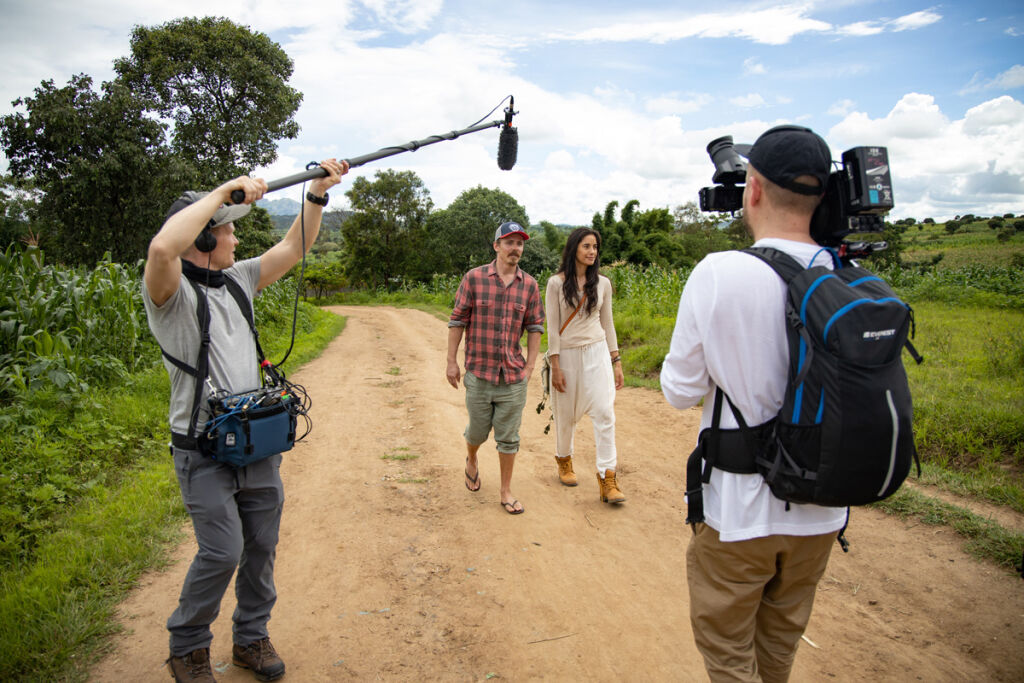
pixel 569 319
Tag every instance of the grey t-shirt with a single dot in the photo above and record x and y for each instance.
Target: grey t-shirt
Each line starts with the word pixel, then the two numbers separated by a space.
pixel 233 363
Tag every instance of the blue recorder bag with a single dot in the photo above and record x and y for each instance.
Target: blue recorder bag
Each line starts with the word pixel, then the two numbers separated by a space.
pixel 242 428
pixel 248 427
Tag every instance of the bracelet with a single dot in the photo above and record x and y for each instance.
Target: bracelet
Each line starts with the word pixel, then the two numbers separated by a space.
pixel 617 359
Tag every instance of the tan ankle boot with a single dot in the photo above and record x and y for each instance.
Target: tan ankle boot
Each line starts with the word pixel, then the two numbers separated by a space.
pixel 610 492
pixel 565 473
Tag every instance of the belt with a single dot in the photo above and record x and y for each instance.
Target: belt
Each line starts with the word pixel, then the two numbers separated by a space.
pixel 183 442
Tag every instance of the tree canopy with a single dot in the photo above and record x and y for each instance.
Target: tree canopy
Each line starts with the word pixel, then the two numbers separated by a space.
pixel 386 230
pixel 461 237
pixel 223 85
pixel 101 163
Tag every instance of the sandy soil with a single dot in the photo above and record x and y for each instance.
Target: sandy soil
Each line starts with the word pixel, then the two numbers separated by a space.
pixel 391 570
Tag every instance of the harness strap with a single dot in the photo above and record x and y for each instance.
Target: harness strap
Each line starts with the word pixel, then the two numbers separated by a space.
pixel 202 367
pixel 730 450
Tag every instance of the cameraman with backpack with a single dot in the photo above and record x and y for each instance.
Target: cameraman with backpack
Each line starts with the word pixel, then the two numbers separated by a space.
pixel 235 512
pixel 754 560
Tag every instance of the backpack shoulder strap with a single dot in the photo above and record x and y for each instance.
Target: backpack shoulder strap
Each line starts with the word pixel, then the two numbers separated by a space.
pixel 782 263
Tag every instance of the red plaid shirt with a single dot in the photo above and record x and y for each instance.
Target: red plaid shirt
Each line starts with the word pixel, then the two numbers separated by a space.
pixel 495 317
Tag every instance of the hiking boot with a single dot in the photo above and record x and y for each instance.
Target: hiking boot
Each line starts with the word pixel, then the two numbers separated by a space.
pixel 565 473
pixel 261 658
pixel 195 667
pixel 610 492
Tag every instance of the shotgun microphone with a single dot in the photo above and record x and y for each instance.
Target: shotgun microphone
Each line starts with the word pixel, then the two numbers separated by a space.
pixel 508 141
pixel 508 147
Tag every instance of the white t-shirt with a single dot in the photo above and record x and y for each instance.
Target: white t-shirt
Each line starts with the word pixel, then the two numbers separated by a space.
pixel 730 332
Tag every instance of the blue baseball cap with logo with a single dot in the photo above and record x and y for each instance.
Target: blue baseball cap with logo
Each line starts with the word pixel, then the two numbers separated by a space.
pixel 510 228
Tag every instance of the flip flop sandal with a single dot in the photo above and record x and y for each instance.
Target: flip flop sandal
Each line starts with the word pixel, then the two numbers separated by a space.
pixel 472 480
pixel 510 508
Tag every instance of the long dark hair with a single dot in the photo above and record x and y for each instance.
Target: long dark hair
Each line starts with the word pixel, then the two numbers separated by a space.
pixel 568 270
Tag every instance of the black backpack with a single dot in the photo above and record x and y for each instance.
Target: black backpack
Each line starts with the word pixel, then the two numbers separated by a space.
pixel 844 434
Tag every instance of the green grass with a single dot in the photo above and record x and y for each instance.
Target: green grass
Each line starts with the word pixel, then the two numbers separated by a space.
pixel 969 393
pixel 56 613
pixel 401 453
pixel 972 244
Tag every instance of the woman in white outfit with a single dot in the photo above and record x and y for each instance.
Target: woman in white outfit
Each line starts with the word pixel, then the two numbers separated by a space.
pixel 583 352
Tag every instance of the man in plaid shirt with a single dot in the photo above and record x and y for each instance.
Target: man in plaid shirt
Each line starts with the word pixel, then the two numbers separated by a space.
pixel 495 304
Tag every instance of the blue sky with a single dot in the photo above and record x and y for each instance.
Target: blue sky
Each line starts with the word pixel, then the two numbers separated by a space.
pixel 617 100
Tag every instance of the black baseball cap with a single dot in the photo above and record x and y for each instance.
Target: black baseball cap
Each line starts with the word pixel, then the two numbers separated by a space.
pixel 227 213
pixel 784 153
pixel 509 228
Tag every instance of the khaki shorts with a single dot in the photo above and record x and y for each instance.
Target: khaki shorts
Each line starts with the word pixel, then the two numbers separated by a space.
pixel 494 405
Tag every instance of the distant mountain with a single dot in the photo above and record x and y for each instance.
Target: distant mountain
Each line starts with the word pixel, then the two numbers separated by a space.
pixel 279 207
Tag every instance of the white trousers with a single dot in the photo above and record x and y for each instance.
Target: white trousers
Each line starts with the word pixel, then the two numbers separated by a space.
pixel 590 390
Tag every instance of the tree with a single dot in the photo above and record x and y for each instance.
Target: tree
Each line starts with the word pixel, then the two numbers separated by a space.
pixel 700 233
pixel 16 203
pixel 554 239
pixel 385 232
pixel 537 258
pixel 255 233
pixel 222 84
pixel 106 175
pixel 461 237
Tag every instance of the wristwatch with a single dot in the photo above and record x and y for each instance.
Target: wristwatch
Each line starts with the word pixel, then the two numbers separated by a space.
pixel 322 201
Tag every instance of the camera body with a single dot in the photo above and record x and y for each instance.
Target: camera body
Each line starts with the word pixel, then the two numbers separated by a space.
pixel 857 195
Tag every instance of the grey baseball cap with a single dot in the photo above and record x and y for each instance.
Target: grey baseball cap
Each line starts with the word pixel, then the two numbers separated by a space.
pixel 227 213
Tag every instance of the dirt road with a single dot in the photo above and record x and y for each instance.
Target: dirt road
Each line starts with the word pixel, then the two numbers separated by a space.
pixel 389 569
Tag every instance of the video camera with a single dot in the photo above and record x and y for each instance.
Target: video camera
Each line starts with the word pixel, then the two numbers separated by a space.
pixel 857 195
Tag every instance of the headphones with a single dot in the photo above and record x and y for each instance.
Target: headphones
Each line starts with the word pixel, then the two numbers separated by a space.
pixel 206 241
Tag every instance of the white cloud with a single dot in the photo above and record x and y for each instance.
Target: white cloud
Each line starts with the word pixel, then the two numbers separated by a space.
pixel 1008 80
pixel 841 108
pixel 673 104
pixel 908 22
pixel 946 166
pixel 747 101
pixel 1012 31
pixel 771 26
pixel 752 66
pixel 404 16
pixel 861 28
pixel 1011 78
pixel 914 20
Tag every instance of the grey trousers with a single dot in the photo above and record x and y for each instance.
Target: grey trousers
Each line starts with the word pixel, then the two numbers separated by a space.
pixel 236 514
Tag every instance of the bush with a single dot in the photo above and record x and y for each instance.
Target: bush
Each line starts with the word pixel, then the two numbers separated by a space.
pixel 1005 234
pixel 952 226
pixel 995 223
pixel 929 221
pixel 1018 225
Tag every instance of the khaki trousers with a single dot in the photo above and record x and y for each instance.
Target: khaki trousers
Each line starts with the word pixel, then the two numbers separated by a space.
pixel 750 601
